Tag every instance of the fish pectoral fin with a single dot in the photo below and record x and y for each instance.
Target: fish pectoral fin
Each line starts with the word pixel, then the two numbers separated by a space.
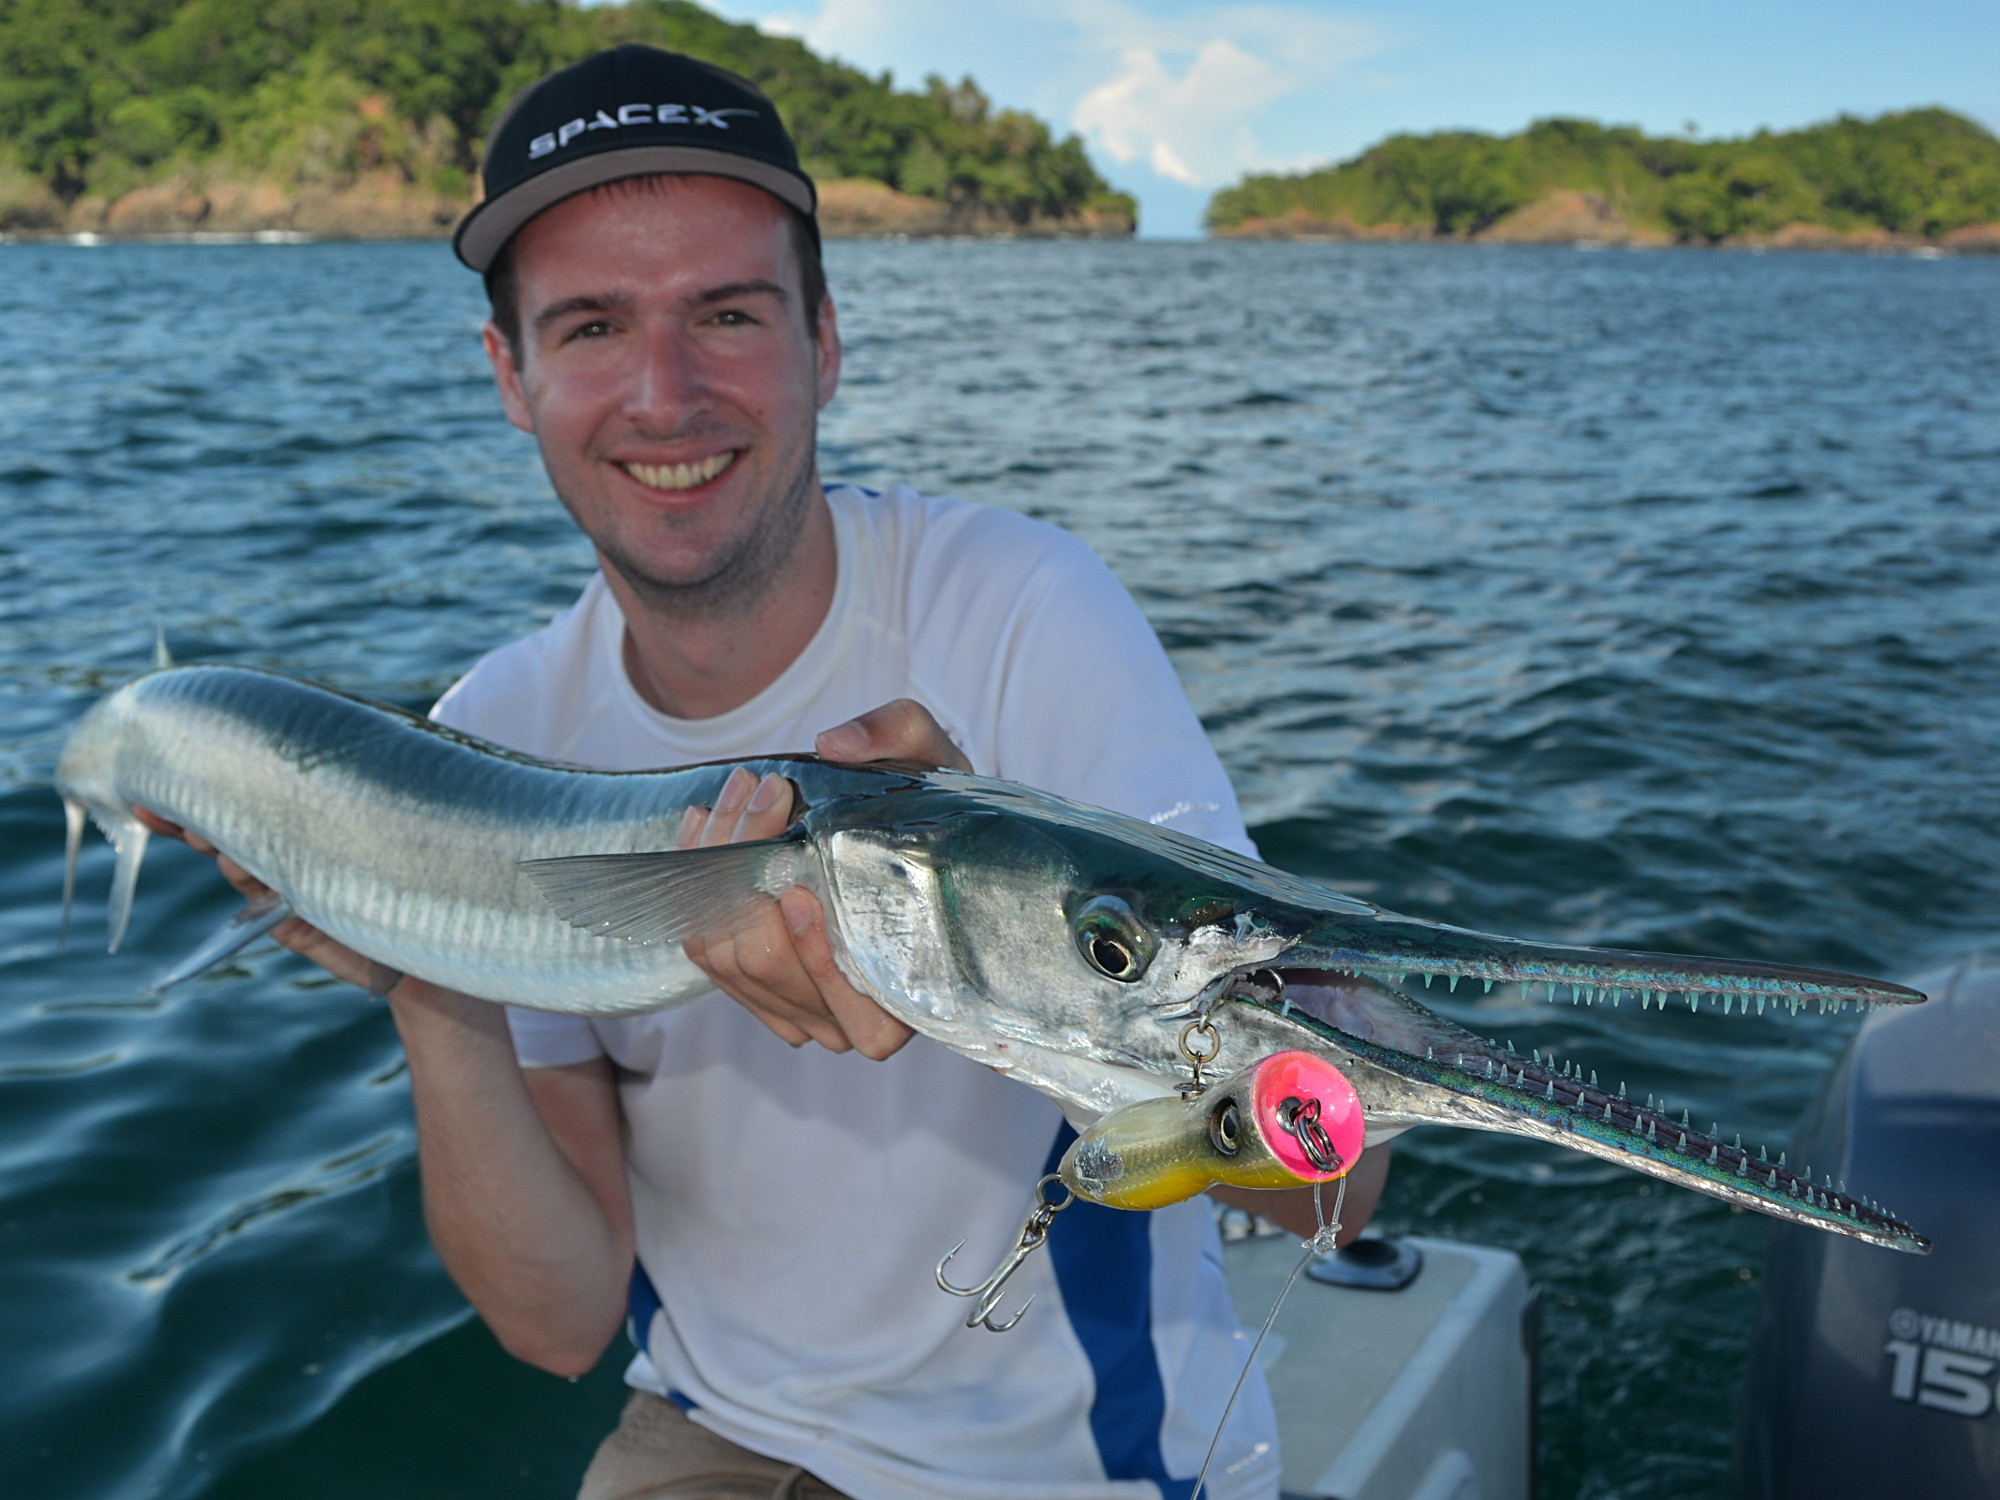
pixel 670 895
pixel 242 929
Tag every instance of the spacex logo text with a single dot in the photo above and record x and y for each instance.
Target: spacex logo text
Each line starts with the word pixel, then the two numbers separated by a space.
pixel 632 114
pixel 1941 1363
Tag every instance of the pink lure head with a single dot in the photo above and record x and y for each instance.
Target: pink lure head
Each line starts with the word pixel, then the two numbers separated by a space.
pixel 1309 1115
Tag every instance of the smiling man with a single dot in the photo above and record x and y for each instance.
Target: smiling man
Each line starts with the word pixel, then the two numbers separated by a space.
pixel 761 1189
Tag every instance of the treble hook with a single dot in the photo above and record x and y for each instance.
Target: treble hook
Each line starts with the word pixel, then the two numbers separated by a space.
pixel 1034 1232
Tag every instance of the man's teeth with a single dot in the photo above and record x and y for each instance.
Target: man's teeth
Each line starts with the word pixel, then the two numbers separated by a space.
pixel 681 476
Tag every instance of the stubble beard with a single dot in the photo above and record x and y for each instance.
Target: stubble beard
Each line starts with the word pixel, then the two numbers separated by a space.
pixel 743 569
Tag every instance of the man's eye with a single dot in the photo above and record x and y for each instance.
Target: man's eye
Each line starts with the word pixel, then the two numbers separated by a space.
pixel 596 328
pixel 734 317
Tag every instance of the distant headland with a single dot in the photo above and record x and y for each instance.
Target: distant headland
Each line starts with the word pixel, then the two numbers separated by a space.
pixel 1923 178
pixel 364 119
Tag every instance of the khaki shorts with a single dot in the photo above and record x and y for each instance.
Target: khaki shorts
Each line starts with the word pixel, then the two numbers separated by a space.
pixel 656 1453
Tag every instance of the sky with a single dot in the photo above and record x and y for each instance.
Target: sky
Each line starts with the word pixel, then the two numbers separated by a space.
pixel 1176 98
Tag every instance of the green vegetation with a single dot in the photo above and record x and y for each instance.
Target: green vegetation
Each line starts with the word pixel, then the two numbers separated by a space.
pixel 98 97
pixel 1923 173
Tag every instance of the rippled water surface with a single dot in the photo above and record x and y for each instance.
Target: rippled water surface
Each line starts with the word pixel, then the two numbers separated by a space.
pixel 1639 599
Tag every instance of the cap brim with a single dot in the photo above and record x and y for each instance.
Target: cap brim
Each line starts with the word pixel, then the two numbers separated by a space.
pixel 484 231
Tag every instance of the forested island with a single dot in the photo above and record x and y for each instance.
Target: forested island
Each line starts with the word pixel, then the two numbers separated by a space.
pixel 365 118
pixel 1917 178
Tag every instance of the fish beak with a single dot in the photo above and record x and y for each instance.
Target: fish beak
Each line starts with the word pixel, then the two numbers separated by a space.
pixel 1339 987
pixel 1391 948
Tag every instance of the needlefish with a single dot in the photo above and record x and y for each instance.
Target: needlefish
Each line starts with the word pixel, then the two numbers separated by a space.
pixel 1105 961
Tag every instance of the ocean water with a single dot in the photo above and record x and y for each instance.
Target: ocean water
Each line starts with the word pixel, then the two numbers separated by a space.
pixel 1644 599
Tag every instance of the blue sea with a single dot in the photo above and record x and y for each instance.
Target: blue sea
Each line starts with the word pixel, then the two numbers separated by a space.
pixel 1649 599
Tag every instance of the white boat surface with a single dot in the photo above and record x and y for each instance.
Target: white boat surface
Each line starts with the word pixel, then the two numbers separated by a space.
pixel 1422 1393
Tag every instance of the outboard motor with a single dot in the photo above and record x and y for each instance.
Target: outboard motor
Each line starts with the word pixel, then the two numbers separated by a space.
pixel 1873 1374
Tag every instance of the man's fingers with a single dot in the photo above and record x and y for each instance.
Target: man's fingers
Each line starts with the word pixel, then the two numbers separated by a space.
pixel 157 823
pixel 162 827
pixel 902 729
pixel 784 1027
pixel 874 1032
pixel 748 809
pixel 692 822
pixel 797 993
pixel 756 967
pixel 242 879
pixel 720 825
pixel 767 811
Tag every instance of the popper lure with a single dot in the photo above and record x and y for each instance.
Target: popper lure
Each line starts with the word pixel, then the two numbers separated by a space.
pixel 1287 1120
pixel 1064 945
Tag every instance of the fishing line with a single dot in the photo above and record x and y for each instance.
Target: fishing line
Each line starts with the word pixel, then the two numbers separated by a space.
pixel 1319 1244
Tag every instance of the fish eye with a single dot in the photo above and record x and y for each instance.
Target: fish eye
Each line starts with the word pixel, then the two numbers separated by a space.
pixel 1112 939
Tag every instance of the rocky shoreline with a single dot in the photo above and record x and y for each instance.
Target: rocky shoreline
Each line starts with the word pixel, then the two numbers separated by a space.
pixel 1572 217
pixel 385 205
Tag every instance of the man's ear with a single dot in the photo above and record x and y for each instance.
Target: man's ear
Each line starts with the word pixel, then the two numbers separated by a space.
pixel 507 375
pixel 827 345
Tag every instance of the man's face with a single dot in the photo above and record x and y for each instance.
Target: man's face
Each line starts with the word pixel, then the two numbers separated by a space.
pixel 666 371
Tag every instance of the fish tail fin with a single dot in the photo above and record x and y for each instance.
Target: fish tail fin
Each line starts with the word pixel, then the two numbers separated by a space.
pixel 128 838
pixel 73 820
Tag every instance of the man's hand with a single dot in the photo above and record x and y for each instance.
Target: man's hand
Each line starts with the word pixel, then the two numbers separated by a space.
pixel 296 934
pixel 779 965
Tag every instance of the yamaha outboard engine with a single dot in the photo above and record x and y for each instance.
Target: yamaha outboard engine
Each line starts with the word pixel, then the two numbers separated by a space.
pixel 1873 1374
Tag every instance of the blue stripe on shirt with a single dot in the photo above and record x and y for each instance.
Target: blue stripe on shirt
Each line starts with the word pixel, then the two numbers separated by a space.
pixel 642 1300
pixel 1104 1264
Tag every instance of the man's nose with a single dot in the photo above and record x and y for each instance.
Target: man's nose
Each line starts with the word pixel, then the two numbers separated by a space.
pixel 671 380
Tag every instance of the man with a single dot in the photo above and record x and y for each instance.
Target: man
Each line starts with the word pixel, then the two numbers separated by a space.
pixel 773 1180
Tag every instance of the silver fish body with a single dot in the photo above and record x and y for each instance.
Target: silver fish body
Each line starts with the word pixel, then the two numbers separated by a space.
pixel 1067 946
pixel 394 835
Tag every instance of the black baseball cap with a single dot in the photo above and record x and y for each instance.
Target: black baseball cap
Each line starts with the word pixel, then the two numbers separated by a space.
pixel 624 113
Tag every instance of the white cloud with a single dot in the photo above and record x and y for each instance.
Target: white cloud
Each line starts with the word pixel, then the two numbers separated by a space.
pixel 1170 95
pixel 1180 93
pixel 1184 93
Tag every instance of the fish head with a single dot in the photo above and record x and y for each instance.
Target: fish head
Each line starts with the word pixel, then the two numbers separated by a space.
pixel 1075 948
pixel 959 912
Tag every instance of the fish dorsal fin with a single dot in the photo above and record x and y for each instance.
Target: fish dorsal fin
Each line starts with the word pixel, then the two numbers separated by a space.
pixel 162 657
pixel 242 929
pixel 73 820
pixel 670 895
pixel 128 836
